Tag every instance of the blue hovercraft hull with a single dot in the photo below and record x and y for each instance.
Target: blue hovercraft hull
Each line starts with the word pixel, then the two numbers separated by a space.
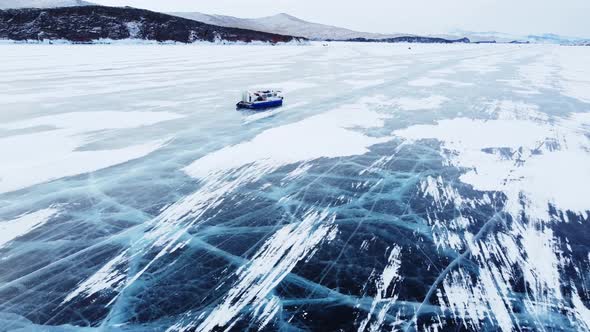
pixel 261 105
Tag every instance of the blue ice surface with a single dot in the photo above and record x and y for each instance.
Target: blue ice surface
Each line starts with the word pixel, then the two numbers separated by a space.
pixel 107 212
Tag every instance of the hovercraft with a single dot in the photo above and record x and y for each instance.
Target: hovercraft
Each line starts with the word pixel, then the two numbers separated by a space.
pixel 262 99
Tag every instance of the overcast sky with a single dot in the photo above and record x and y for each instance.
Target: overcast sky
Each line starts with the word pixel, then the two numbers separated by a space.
pixel 566 17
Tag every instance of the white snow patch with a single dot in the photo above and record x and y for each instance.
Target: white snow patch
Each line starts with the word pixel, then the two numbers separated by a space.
pixel 515 110
pixel 538 74
pixel 360 84
pixel 581 312
pixel 430 82
pixel 482 65
pixel 52 152
pixel 286 87
pixel 83 122
pixel 297 172
pixel 542 162
pixel 561 68
pixel 252 117
pixel 474 302
pixel 385 297
pixel 519 86
pixel 442 194
pixel 418 104
pixel 541 264
pixel 328 135
pixel 13 229
pixel 134 29
pixel 109 277
pixel 575 72
pixel 270 265
pixel 532 158
pixel 266 310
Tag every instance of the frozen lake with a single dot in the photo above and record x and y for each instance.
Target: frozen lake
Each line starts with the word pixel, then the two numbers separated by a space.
pixel 401 187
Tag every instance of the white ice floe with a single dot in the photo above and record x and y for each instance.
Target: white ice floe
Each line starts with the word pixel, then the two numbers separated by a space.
pixel 13 229
pixel 52 151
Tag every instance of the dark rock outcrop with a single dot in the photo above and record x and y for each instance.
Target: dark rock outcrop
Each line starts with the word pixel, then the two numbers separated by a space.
pixel 412 39
pixel 86 24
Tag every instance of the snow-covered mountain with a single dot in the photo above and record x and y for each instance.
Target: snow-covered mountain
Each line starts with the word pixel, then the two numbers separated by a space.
pixel 6 4
pixel 284 24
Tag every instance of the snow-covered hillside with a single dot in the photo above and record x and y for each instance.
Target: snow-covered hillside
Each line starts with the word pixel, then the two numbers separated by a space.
pixel 284 24
pixel 6 4
pixel 88 24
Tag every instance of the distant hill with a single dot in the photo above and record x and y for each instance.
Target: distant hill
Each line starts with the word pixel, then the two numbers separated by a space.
pixel 284 24
pixel 413 39
pixel 290 25
pixel 550 38
pixel 86 24
pixel 513 38
pixel 10 4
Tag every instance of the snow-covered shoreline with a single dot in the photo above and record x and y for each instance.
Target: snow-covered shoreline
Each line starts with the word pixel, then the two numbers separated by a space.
pixel 148 42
